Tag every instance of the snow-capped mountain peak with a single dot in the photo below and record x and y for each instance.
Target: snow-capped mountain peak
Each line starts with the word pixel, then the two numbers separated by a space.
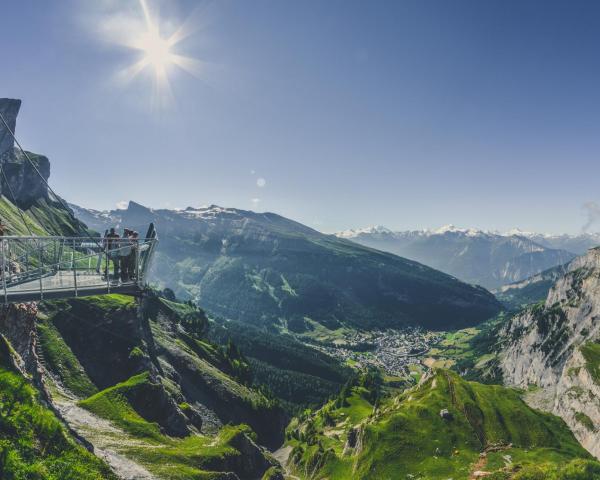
pixel 373 230
pixel 471 232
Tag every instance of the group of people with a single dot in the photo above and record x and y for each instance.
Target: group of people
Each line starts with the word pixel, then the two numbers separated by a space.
pixel 122 252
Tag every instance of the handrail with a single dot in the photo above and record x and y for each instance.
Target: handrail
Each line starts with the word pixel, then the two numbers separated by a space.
pixel 33 267
pixel 58 237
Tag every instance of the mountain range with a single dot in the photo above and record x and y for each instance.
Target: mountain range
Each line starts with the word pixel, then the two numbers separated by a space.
pixel 152 387
pixel 486 258
pixel 265 269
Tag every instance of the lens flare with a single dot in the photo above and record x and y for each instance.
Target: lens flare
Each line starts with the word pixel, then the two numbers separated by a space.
pixel 159 51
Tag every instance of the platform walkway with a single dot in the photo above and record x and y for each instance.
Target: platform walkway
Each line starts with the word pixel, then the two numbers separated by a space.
pixel 42 268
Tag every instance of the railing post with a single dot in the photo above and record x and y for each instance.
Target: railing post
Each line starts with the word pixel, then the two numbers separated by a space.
pixel 41 269
pixel 137 263
pixel 4 271
pixel 74 270
pixel 107 270
pixel 7 254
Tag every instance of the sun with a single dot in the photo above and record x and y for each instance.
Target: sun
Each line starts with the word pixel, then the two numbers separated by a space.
pixel 158 52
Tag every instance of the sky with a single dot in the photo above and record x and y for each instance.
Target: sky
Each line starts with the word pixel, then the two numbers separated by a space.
pixel 338 114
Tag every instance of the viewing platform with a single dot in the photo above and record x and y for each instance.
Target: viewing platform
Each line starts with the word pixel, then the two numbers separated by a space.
pixel 43 268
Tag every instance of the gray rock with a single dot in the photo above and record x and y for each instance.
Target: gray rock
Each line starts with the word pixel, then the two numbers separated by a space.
pixel 542 346
pixel 9 108
pixel 445 414
pixel 23 179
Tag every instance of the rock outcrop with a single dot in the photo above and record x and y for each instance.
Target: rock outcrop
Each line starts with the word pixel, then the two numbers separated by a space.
pixel 9 108
pixel 23 180
pixel 545 346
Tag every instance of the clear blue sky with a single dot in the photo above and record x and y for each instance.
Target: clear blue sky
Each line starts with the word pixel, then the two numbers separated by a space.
pixel 410 114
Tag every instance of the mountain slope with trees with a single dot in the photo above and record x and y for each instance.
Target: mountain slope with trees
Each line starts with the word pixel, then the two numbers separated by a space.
pixel 268 270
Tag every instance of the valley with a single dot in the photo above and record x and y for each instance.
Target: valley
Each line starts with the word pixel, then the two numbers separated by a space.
pixel 392 351
pixel 265 349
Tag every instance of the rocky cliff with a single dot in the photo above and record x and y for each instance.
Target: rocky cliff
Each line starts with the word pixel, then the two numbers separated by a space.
pixel 23 180
pixel 142 385
pixel 9 108
pixel 555 346
pixel 22 187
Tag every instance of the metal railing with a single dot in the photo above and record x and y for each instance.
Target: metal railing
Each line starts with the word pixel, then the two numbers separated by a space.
pixel 34 268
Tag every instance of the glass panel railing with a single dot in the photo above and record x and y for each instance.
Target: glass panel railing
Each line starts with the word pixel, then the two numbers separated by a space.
pixel 38 265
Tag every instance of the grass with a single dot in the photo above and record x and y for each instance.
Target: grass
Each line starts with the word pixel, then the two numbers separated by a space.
pixel 408 435
pixel 33 443
pixel 13 221
pixel 113 405
pixel 585 421
pixel 62 361
pixel 574 470
pixel 113 301
pixel 454 346
pixel 192 457
pixel 591 354
pixel 320 333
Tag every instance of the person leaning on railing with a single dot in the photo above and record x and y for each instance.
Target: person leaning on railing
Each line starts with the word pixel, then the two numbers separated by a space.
pixel 111 241
pixel 125 255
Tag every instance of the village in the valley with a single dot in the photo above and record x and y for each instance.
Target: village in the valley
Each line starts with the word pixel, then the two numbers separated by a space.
pixel 390 350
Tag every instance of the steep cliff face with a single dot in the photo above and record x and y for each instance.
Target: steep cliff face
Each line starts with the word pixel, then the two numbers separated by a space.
pixel 22 180
pixel 23 188
pixel 555 346
pixel 141 383
pixel 9 108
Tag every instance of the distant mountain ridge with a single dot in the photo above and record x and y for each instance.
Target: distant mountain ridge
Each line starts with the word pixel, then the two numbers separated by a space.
pixel 577 244
pixel 486 258
pixel 272 271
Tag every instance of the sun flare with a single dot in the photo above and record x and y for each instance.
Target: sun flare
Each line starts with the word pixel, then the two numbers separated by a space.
pixel 158 52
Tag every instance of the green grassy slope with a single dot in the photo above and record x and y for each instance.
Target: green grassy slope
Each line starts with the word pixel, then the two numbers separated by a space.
pixel 42 218
pixel 190 457
pixel 407 435
pixel 180 401
pixel 591 353
pixel 33 443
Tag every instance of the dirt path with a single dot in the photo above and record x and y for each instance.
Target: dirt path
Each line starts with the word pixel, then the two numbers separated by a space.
pixel 477 471
pixel 282 455
pixel 106 439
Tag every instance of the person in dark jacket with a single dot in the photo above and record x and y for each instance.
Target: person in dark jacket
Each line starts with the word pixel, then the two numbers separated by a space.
pixel 125 254
pixel 111 240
